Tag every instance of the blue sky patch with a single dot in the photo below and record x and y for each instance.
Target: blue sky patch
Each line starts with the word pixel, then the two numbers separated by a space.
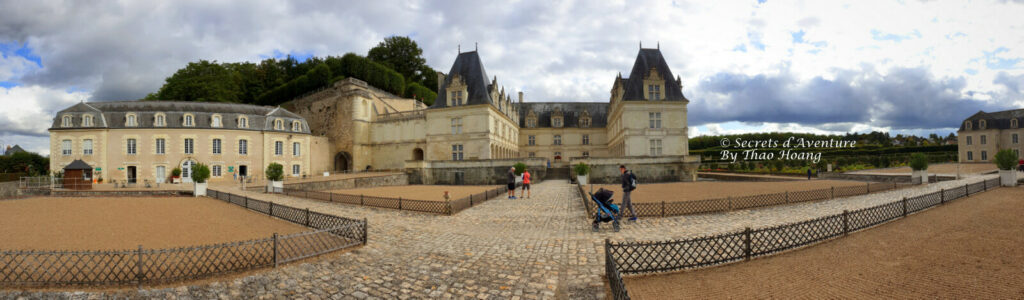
pixel 884 36
pixel 8 84
pixel 798 37
pixel 740 48
pixel 277 54
pixel 755 40
pixel 21 50
pixel 998 63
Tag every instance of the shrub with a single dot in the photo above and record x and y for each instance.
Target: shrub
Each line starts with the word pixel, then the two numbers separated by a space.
pixel 275 172
pixel 918 161
pixel 520 167
pixel 419 92
pixel 200 173
pixel 1006 159
pixel 375 74
pixel 176 172
pixel 582 169
pixel 317 77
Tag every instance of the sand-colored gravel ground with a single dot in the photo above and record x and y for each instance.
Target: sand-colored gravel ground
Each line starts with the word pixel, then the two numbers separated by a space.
pixel 939 169
pixel 337 176
pixel 419 192
pixel 118 223
pixel 967 249
pixel 700 190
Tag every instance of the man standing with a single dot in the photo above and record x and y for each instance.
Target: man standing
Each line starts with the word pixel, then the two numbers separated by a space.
pixel 627 188
pixel 512 183
pixel 526 184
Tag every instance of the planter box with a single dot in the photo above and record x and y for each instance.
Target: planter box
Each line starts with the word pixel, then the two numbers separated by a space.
pixel 176 180
pixel 1008 177
pixel 582 179
pixel 919 177
pixel 275 186
pixel 200 189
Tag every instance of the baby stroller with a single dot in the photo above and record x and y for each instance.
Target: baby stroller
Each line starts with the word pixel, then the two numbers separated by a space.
pixel 606 211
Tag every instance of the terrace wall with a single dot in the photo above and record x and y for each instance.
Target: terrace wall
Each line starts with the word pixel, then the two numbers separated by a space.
pixel 351 183
pixel 647 169
pixel 471 172
pixel 9 189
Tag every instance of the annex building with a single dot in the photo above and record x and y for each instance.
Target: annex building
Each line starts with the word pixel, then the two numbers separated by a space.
pixel 471 134
pixel 983 134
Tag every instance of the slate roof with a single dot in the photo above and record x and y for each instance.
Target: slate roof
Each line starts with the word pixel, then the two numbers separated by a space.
pixel 995 120
pixel 113 114
pixel 469 67
pixel 78 164
pixel 571 112
pixel 13 150
pixel 645 60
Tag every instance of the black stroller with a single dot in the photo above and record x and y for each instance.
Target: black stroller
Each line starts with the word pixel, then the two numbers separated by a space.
pixel 606 211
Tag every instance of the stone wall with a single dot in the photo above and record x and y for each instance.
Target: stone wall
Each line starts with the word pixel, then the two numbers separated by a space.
pixel 905 178
pixel 8 189
pixel 647 169
pixel 473 172
pixel 351 183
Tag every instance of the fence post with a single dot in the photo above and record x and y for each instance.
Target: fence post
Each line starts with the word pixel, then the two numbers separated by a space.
pixel 366 228
pixel 904 207
pixel 833 193
pixel 271 209
pixel 246 201
pixel 275 249
pixel 868 185
pixel 967 192
pixel 942 196
pixel 846 222
pixel 399 203
pixel 360 199
pixel 307 217
pixel 787 196
pixel 746 244
pixel 139 275
pixel 330 196
pixel 729 198
pixel 663 208
pixel 470 199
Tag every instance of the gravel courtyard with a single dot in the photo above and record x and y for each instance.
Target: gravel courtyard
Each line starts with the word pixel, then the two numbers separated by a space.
pixel 700 190
pixel 966 249
pixel 419 192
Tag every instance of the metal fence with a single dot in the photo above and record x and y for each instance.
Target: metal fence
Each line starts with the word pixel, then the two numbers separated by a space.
pixel 681 208
pixel 155 266
pixel 663 256
pixel 438 207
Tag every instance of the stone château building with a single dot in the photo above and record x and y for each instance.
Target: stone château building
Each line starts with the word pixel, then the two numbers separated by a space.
pixel 983 134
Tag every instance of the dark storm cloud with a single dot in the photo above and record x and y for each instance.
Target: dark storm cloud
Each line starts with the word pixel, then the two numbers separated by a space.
pixel 903 98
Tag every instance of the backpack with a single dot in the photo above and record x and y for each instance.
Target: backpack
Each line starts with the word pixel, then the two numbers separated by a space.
pixel 632 181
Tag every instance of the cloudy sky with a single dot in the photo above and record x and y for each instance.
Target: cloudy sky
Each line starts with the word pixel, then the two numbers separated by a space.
pixel 811 66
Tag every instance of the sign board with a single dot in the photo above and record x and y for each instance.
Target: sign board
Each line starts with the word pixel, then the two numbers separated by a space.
pixel 98 169
pixel 120 168
pixel 231 169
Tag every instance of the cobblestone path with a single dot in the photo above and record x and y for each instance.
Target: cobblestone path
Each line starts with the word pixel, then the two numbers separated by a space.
pixel 538 248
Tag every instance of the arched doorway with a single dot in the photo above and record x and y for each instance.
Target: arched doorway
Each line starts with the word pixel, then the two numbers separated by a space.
pixel 417 154
pixel 342 162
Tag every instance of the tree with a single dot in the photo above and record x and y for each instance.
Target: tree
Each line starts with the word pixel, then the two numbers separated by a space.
pixel 403 55
pixel 200 173
pixel 201 81
pixel 275 172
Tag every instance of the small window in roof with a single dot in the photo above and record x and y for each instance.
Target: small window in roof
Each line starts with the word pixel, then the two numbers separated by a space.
pixel 243 122
pixel 189 120
pixel 278 124
pixel 160 120
pixel 66 121
pixel 296 126
pixel 215 121
pixel 130 120
pixel 982 124
pixel 967 124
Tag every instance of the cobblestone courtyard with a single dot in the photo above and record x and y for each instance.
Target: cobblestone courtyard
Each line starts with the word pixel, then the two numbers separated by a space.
pixel 538 248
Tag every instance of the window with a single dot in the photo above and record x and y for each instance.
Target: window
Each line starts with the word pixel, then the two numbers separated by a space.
pixel 65 147
pixel 243 122
pixel 161 145
pixel 160 120
pixel 531 122
pixel 87 121
pixel 981 125
pixel 130 146
pixel 87 147
pixel 586 154
pixel 654 120
pixel 296 126
pixel 65 121
pixel 967 125
pixel 654 92
pixel 216 146
pixel 585 122
pixel 983 139
pixel 190 146
pixel 216 170
pixel 1013 123
pixel 1014 137
pixel 586 139
pixel 130 121
pixel 968 140
pixel 243 147
pixel 456 125
pixel 532 140
pixel 296 149
pixel 558 139
pixel 278 124
pixel 556 122
pixel 970 155
pixel 189 120
pixel 278 148
pixel 655 147
pixel 295 170
pixel 457 98
pixel 558 155
pixel 984 155
pixel 215 121
pixel 457 152
pixel 533 154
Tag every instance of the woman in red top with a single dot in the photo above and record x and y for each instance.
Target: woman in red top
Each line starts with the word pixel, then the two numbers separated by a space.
pixel 526 184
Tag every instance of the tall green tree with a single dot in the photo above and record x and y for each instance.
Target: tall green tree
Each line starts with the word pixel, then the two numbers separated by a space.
pixel 402 54
pixel 202 81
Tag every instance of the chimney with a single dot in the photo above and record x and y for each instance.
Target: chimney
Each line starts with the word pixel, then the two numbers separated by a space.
pixel 520 98
pixel 440 81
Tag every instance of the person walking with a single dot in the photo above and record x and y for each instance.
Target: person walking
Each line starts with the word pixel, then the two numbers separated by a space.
pixel 808 173
pixel 526 184
pixel 512 183
pixel 627 188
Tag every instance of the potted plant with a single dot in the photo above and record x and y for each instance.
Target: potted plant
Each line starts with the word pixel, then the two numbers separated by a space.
pixel 919 163
pixel 520 167
pixel 275 175
pixel 582 170
pixel 1006 160
pixel 200 173
pixel 99 179
pixel 176 175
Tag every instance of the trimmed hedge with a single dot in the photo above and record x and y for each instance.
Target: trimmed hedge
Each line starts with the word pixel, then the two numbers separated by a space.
pixel 375 74
pixel 419 92
pixel 317 77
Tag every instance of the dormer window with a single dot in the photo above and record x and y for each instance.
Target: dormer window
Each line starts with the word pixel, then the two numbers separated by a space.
pixel 968 125
pixel 130 120
pixel 189 121
pixel 215 121
pixel 981 124
pixel 654 92
pixel 87 121
pixel 585 120
pixel 243 122
pixel 531 120
pixel 556 118
pixel 457 98
pixel 1013 123
pixel 278 124
pixel 66 121
pixel 457 92
pixel 160 120
pixel 296 126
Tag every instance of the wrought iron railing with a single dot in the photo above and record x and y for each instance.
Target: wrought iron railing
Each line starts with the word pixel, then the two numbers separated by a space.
pixel 438 207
